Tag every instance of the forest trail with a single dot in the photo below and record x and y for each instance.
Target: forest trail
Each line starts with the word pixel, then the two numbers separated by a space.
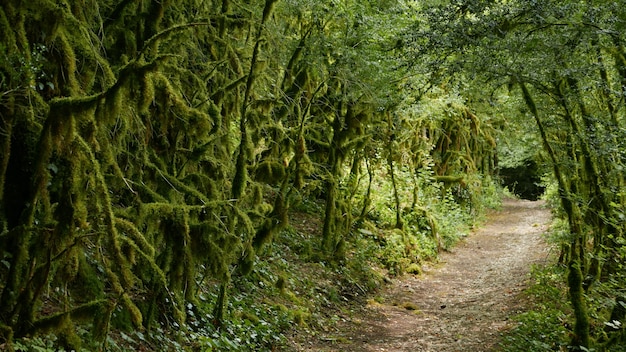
pixel 463 302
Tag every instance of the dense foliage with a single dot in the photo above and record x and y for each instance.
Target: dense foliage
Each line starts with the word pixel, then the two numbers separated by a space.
pixel 152 150
pixel 565 61
pixel 156 153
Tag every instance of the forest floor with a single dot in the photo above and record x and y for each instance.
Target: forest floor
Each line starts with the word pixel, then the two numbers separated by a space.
pixel 461 303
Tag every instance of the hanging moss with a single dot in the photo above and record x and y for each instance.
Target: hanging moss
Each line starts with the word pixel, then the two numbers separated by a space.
pixel 68 65
pixel 149 195
pixel 67 336
pixel 59 321
pixel 62 154
pixel 241 175
pixel 137 237
pixel 101 322
pixel 264 234
pixel 147 188
pixel 70 266
pixel 233 60
pixel 135 314
pixel 87 283
pixel 270 172
pixel 246 263
pixel 121 265
pixel 7 36
pixel 177 186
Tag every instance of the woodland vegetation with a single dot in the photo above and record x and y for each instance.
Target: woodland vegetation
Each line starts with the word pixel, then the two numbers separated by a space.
pixel 165 165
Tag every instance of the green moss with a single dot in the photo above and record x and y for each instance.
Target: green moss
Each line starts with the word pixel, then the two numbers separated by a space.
pixel 174 184
pixel 130 230
pixel 339 253
pixel 300 317
pixel 581 328
pixel 281 283
pixel 410 306
pixel 135 314
pixel 233 60
pixel 414 269
pixel 263 234
pixel 68 67
pixel 70 266
pixel 246 264
pixel 250 317
pixel 270 172
pixel 87 284
pixel 68 339
pixel 240 178
pixel 8 38
pixel 61 320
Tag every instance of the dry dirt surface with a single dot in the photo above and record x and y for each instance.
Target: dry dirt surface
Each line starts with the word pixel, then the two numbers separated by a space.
pixel 463 303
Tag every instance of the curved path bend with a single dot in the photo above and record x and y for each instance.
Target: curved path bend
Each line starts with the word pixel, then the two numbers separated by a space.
pixel 463 302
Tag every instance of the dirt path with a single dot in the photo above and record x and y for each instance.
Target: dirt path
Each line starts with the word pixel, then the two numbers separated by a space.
pixel 459 304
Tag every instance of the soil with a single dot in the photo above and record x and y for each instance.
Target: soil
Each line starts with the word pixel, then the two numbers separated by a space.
pixel 462 303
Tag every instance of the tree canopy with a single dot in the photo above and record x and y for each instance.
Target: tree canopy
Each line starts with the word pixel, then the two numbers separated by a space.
pixel 565 62
pixel 152 150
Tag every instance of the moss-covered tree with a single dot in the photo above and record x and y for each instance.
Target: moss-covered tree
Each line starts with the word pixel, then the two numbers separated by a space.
pixel 152 149
pixel 564 59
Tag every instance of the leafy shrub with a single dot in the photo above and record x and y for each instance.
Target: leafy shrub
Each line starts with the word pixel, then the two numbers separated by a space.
pixel 545 326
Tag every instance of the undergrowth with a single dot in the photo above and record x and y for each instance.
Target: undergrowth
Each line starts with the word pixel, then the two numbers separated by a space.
pixel 292 290
pixel 549 323
pixel 545 326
